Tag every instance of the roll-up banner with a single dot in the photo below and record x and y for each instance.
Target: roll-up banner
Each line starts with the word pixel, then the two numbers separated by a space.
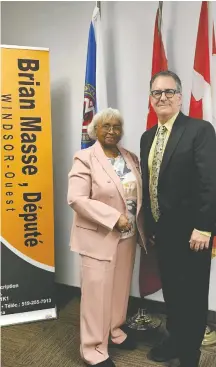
pixel 27 224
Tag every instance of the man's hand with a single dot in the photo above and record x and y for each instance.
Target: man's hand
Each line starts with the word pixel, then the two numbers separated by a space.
pixel 199 241
pixel 123 224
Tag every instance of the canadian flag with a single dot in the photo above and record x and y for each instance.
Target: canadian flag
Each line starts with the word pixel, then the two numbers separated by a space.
pixel 149 278
pixel 201 98
pixel 213 77
pixel 159 60
pixel 213 87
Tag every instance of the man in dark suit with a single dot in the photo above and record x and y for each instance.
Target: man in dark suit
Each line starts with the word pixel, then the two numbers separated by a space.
pixel 178 163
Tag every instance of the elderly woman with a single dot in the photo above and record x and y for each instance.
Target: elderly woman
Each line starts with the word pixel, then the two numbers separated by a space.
pixel 105 194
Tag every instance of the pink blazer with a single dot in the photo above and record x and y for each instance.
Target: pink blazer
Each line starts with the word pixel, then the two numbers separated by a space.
pixel 96 195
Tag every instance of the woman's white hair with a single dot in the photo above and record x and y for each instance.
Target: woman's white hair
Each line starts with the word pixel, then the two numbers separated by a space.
pixel 101 117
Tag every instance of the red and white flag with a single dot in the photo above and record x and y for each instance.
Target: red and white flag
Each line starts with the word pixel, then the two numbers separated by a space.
pixel 149 278
pixel 201 96
pixel 213 77
pixel 213 89
pixel 159 60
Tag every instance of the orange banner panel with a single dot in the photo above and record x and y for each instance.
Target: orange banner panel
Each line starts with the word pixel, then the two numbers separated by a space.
pixel 26 154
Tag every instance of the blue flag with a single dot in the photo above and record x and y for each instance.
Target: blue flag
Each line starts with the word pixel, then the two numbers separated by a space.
pixel 95 87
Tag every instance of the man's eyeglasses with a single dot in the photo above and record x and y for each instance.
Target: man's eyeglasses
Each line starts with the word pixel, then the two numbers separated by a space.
pixel 169 93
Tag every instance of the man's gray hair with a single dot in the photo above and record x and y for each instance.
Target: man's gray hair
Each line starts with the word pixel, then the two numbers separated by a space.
pixel 104 116
pixel 170 74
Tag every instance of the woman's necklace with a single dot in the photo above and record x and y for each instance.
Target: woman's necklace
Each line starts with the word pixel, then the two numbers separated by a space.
pixel 111 154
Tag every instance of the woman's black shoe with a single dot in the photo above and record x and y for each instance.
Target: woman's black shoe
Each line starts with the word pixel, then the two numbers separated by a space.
pixel 128 344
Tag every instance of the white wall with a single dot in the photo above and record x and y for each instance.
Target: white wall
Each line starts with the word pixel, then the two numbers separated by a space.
pixel 63 27
pixel 128 29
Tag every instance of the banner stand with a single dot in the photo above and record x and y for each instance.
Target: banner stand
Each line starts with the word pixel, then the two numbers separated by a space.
pixel 27 221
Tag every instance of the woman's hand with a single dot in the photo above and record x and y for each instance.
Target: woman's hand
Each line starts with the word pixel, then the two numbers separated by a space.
pixel 123 224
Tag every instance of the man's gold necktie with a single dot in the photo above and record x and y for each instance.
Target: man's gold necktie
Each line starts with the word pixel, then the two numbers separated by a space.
pixel 156 163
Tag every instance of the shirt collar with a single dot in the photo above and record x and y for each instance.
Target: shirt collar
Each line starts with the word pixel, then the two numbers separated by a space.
pixel 169 123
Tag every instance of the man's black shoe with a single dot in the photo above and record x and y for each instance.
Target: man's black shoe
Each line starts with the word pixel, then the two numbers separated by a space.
pixel 190 360
pixel 163 351
pixel 107 363
pixel 128 343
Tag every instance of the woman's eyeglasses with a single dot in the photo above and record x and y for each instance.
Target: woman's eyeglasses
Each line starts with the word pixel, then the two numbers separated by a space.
pixel 116 128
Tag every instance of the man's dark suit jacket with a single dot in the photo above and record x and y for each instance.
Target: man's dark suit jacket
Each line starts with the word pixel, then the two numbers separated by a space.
pixel 187 179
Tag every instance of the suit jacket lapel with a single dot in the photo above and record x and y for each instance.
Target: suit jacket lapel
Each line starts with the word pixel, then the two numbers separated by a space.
pixel 146 149
pixel 101 157
pixel 176 133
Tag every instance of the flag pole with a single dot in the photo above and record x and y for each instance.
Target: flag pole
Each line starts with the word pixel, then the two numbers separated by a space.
pixel 98 4
pixel 143 320
pixel 160 9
